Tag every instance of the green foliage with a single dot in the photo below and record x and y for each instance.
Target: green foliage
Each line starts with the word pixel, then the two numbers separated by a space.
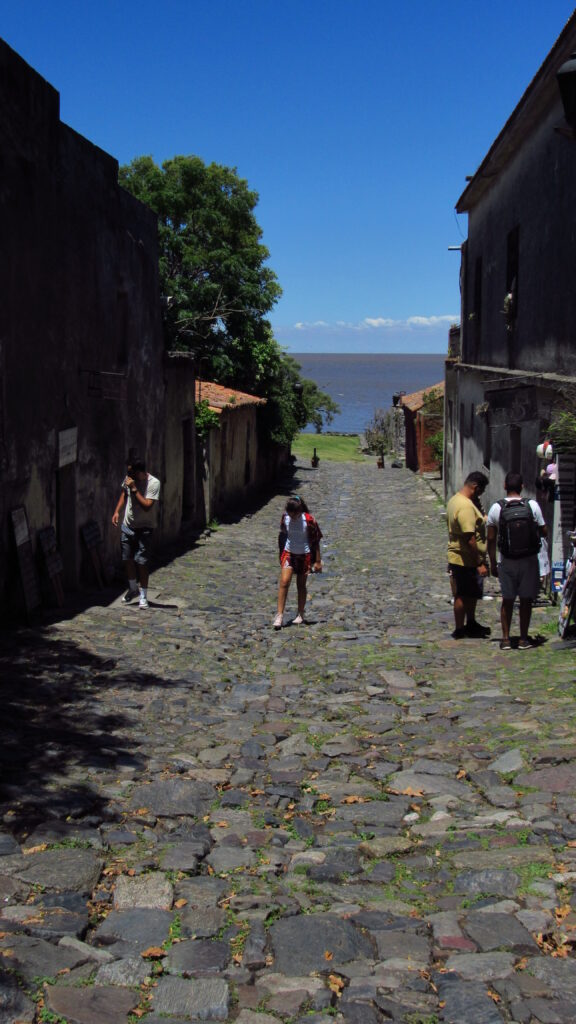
pixel 175 929
pixel 291 401
pixel 212 262
pixel 320 409
pixel 205 418
pixel 46 1016
pixel 217 288
pixel 537 871
pixel 433 402
pixel 562 431
pixel 436 445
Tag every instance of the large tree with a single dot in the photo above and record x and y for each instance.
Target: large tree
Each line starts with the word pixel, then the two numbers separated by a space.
pixel 216 286
pixel 217 289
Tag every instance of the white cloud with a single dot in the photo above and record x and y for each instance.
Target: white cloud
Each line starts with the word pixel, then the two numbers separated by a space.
pixel 381 323
pixel 301 326
pixel 431 321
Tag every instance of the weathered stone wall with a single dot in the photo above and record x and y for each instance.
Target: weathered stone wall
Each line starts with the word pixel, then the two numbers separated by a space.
pixel 238 462
pixel 493 424
pixel 80 331
pixel 518 299
pixel 534 194
pixel 180 495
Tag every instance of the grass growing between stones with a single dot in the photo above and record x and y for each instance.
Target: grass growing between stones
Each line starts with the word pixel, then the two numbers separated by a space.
pixel 408 887
pixel 530 874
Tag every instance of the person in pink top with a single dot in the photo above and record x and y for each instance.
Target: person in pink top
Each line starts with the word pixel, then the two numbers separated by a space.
pixel 299 545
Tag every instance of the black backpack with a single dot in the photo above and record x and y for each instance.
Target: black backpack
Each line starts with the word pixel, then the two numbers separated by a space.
pixel 518 531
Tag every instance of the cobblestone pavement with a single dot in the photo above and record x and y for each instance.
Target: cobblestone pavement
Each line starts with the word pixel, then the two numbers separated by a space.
pixel 359 819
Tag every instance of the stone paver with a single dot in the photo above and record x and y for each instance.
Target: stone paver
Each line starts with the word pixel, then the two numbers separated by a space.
pixel 205 819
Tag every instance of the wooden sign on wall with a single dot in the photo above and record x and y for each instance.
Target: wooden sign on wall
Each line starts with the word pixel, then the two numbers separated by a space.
pixel 25 555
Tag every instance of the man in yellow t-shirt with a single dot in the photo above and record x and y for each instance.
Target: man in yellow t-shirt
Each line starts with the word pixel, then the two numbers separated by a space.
pixel 467 554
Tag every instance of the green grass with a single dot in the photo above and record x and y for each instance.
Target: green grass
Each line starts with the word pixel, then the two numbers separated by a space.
pixel 328 448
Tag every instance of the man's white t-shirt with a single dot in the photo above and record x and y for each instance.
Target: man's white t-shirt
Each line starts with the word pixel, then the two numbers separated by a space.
pixel 494 516
pixel 136 517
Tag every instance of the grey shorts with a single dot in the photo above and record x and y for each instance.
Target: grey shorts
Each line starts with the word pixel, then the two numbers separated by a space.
pixel 519 577
pixel 136 546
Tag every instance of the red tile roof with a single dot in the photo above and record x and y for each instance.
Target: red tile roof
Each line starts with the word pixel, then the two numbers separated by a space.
pixel 415 401
pixel 220 398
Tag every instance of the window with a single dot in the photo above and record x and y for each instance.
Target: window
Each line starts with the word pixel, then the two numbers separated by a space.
pixel 487 441
pixel 515 449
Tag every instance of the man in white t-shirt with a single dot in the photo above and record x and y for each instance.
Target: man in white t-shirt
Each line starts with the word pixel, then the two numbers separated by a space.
pixel 139 499
pixel 519 576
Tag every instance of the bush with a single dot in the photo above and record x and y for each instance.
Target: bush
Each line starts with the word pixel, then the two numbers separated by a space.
pixel 562 431
pixel 379 433
pixel 436 445
pixel 205 418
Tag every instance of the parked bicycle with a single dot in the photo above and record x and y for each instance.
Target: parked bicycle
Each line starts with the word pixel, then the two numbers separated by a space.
pixel 568 595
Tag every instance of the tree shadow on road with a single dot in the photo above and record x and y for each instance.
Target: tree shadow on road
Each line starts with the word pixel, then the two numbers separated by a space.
pixel 54 733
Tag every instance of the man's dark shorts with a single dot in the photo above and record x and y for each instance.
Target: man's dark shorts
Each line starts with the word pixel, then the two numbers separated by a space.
pixel 136 545
pixel 467 581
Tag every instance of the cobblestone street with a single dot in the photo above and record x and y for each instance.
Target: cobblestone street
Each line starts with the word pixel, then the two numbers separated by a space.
pixel 357 820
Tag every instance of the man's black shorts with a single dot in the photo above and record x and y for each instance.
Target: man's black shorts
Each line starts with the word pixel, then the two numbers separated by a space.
pixel 467 581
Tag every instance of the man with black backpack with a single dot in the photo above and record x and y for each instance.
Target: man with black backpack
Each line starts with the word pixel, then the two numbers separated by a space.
pixel 516 526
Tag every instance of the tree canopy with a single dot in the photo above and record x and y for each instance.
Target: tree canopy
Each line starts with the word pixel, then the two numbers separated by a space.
pixel 217 289
pixel 215 284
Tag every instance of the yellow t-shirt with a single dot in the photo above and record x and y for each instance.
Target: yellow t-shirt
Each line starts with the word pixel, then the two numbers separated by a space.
pixel 464 517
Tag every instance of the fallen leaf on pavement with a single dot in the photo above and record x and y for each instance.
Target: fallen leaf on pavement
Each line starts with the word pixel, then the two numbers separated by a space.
pixel 153 953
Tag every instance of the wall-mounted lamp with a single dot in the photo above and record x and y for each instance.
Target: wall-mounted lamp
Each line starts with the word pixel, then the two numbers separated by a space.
pixel 566 78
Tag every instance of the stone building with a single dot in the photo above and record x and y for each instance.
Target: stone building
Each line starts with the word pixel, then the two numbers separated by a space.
pixel 237 460
pixel 83 375
pixel 518 327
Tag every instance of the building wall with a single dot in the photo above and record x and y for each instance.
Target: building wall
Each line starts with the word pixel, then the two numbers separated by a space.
pixel 238 462
pixel 426 426
pixel 493 424
pixel 80 331
pixel 518 362
pixel 181 507
pixel 529 209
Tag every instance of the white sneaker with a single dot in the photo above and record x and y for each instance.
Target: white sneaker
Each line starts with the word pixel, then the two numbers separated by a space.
pixel 277 622
pixel 143 602
pixel 298 620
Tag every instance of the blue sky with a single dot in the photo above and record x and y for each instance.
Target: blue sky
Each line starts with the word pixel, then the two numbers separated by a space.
pixel 356 121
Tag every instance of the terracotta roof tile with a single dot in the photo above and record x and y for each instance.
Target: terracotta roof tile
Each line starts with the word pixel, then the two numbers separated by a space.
pixel 219 397
pixel 415 401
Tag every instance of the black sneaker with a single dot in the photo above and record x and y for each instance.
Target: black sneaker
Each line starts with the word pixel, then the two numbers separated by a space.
pixel 505 645
pixel 474 629
pixel 459 634
pixel 130 595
